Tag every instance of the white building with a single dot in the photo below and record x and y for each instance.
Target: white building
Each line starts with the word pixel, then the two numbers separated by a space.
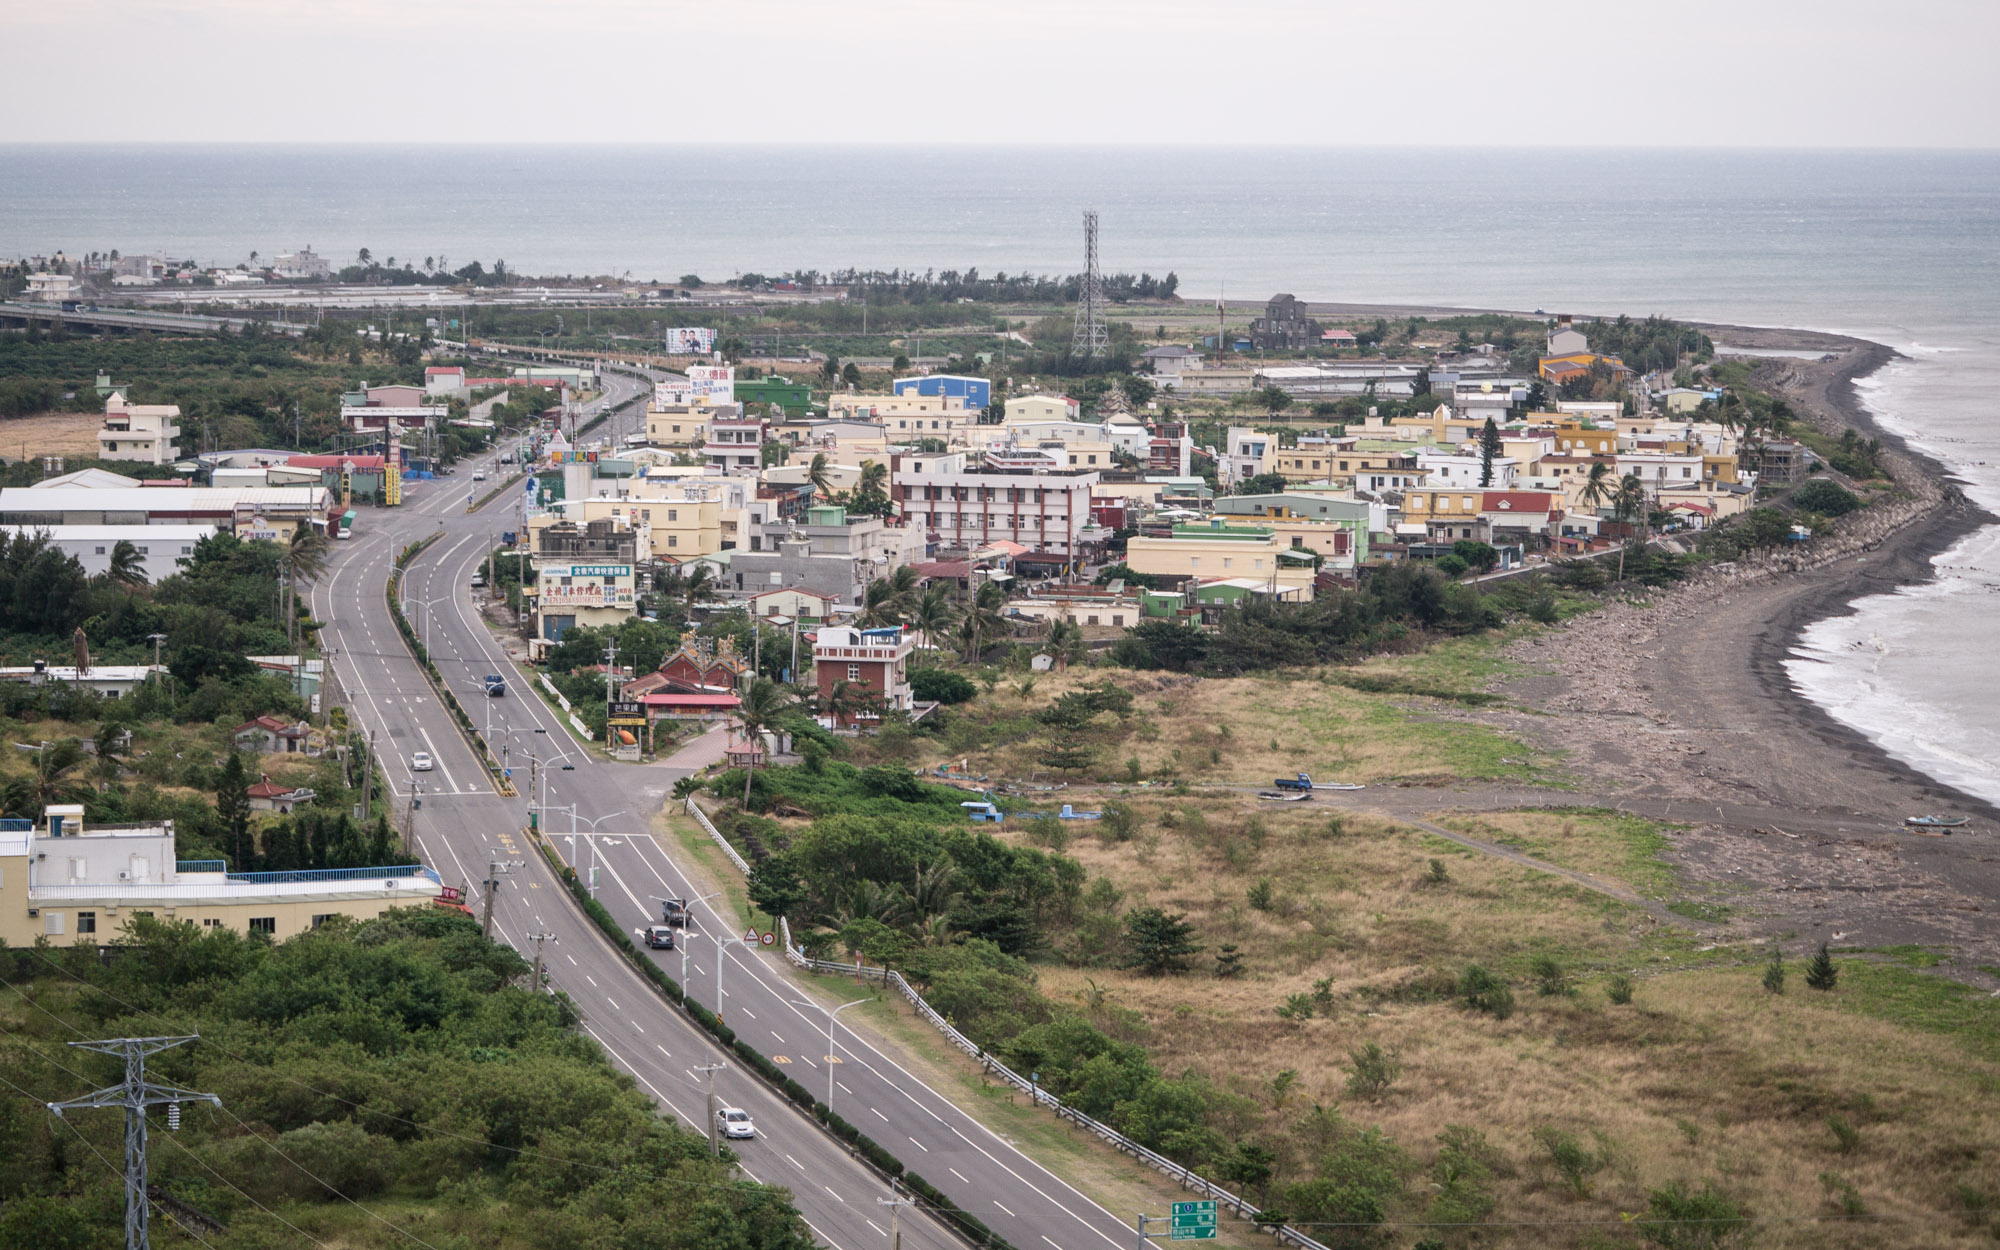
pixel 1021 496
pixel 218 508
pixel 49 287
pixel 301 265
pixel 1453 470
pixel 1247 454
pixel 67 883
pixel 734 444
pixel 141 433
pixel 113 681
pixel 159 546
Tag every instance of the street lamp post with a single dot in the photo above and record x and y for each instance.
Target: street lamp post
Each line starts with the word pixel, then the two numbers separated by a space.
pixel 831 1012
pixel 593 843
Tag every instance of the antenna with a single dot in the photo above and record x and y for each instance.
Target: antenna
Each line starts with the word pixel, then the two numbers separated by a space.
pixel 1091 341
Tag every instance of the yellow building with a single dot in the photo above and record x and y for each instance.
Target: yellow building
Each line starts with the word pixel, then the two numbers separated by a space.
pixel 1575 438
pixel 1028 409
pixel 67 883
pixel 677 426
pixel 1219 550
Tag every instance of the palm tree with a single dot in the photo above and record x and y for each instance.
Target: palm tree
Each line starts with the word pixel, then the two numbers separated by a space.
pixel 1599 487
pixel 1627 504
pixel 128 567
pixel 819 473
pixel 848 699
pixel 874 479
pixel 697 584
pixel 983 623
pixel 934 614
pixel 52 781
pixel 1063 641
pixel 762 703
pixel 879 608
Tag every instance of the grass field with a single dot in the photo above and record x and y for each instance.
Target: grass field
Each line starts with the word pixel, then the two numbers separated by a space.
pixel 50 434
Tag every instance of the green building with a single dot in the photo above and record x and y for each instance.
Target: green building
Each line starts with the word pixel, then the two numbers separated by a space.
pixel 794 399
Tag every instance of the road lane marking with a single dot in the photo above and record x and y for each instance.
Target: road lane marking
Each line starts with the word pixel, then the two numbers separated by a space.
pixel 613 1002
pixel 591 979
pixel 919 1145
pixel 829 1189
pixel 872 1224
pixel 1003 1207
pixel 880 1116
pixel 960 1175
pixel 795 1163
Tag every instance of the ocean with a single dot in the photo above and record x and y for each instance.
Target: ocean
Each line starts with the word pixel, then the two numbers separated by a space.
pixel 1900 247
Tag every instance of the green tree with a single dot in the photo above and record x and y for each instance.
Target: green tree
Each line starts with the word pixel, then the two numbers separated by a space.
pixel 1273 400
pixel 1678 1217
pixel 1821 974
pixel 1158 941
pixel 128 567
pixel 777 887
pixel 763 702
pixel 1489 451
pixel 1774 971
pixel 934 614
pixel 819 472
pixel 232 808
pixel 1262 484
pixel 850 374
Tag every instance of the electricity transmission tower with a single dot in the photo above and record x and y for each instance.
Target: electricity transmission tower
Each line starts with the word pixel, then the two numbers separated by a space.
pixel 1091 341
pixel 135 1094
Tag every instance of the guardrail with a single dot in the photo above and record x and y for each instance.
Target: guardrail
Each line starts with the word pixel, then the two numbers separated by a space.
pixel 701 818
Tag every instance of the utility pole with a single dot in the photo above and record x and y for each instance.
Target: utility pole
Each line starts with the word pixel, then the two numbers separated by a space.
pixel 495 869
pixel 610 672
pixel 709 1070
pixel 895 1202
pixel 135 1094
pixel 368 782
pixel 538 939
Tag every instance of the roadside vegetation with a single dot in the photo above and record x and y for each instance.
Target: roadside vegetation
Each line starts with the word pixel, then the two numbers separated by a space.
pixel 382 1083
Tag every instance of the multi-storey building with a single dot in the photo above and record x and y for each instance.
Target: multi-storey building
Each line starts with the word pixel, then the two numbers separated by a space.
pixel 142 433
pixel 734 444
pixel 1022 496
pixel 872 660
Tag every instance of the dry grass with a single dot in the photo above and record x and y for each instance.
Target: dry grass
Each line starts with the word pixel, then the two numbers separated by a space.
pixel 1705 1077
pixel 51 434
pixel 1242 730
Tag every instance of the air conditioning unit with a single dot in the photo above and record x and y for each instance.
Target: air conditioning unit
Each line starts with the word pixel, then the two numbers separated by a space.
pixel 124 876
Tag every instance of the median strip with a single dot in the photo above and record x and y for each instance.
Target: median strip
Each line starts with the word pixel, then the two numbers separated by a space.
pixel 420 653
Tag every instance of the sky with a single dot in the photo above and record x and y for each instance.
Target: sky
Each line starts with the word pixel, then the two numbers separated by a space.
pixel 1686 73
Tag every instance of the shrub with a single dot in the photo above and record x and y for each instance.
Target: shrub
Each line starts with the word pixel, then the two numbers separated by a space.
pixel 1297 1007
pixel 1550 979
pixel 1452 565
pixel 941 685
pixel 1438 873
pixel 1543 608
pixel 1774 971
pixel 1375 1070
pixel 1619 989
pixel 1228 962
pixel 1482 991
pixel 1847 1138
pixel 1679 1218
pixel 1262 894
pixel 1827 498
pixel 1571 1159
pixel 1821 974
pixel 1158 941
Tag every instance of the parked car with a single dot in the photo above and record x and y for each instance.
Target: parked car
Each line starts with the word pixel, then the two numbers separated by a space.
pixel 734 1122
pixel 478 579
pixel 420 762
pixel 659 937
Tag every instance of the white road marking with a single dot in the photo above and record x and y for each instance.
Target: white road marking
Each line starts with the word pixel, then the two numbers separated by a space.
pixel 1003 1207
pixel 795 1163
pixel 913 1141
pixel 829 1189
pixel 960 1175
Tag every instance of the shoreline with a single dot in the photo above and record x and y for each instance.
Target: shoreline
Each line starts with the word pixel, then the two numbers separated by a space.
pixel 1677 706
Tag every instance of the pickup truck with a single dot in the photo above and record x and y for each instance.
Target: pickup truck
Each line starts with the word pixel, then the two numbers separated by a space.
pixel 1303 781
pixel 674 911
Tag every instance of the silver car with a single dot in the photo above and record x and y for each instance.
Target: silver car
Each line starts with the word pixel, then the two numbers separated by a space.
pixel 734 1122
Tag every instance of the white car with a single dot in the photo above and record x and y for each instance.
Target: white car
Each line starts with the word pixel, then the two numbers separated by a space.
pixel 479 475
pixel 420 762
pixel 734 1122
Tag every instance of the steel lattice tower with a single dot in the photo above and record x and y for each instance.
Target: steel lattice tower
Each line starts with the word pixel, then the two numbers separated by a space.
pixel 135 1093
pixel 1091 340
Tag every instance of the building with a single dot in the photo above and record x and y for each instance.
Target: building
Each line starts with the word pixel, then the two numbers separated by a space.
pixel 271 796
pixel 573 594
pixel 874 660
pixel 1169 364
pixel 1247 453
pixel 973 394
pixel 1566 340
pixel 1021 496
pixel 680 426
pixel 236 509
pixel 301 266
pixel 66 883
pixel 832 554
pixel 734 444
pixel 1221 550
pixel 1337 338
pixel 1780 462
pixel 141 433
pixel 1030 409
pixel 446 380
pixel 50 288
pixel 1357 518
pixel 795 604
pixel 267 735
pixel 112 681
pixel 1456 469
pixel 794 399
pixel 160 547
pixel 1284 326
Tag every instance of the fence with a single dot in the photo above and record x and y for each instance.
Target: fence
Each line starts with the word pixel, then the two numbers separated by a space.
pixel 1042 1098
pixel 701 818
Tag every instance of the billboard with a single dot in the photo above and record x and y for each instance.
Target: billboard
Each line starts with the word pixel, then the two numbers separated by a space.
pixel 690 341
pixel 714 384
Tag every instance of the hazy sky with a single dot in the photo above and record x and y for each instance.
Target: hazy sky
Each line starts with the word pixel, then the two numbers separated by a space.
pixel 1694 73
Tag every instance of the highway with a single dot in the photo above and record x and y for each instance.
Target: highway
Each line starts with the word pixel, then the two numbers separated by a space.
pixel 463 825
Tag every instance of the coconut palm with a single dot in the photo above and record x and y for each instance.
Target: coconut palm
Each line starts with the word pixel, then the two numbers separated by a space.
pixel 983 623
pixel 1628 504
pixel 934 613
pixel 697 584
pixel 847 700
pixel 820 473
pixel 874 479
pixel 1599 486
pixel 128 567
pixel 763 701
pixel 1063 641
pixel 54 780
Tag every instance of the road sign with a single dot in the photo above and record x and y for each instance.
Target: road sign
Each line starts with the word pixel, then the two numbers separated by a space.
pixel 768 939
pixel 1193 1221
pixel 750 936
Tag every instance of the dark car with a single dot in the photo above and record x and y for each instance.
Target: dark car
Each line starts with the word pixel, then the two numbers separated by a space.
pixel 496 685
pixel 659 937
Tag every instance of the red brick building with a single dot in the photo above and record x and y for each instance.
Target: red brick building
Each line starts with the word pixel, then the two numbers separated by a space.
pixel 874 660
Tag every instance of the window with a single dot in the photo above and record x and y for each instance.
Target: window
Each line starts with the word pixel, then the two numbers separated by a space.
pixel 673 514
pixel 1117 619
pixel 1227 562
pixel 52 923
pixel 854 672
pixel 264 924
pixel 86 922
pixel 100 551
pixel 322 918
pixel 211 923
pixel 673 540
pixel 1090 620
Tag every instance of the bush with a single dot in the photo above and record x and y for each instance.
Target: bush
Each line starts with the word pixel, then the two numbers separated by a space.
pixel 1571 1159
pixel 1375 1070
pixel 941 685
pixel 1297 1007
pixel 1825 497
pixel 1261 894
pixel 1821 974
pixel 1774 971
pixel 1482 991
pixel 1550 979
pixel 1679 1218
pixel 1618 989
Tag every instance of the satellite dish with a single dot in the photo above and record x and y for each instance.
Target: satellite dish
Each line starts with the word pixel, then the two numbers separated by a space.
pixel 1485 388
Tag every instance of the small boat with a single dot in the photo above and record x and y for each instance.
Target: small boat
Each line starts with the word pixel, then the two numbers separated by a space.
pixel 1339 785
pixel 1280 796
pixel 1937 822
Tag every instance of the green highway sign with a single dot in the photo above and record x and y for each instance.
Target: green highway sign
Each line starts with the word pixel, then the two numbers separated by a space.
pixel 1193 1221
